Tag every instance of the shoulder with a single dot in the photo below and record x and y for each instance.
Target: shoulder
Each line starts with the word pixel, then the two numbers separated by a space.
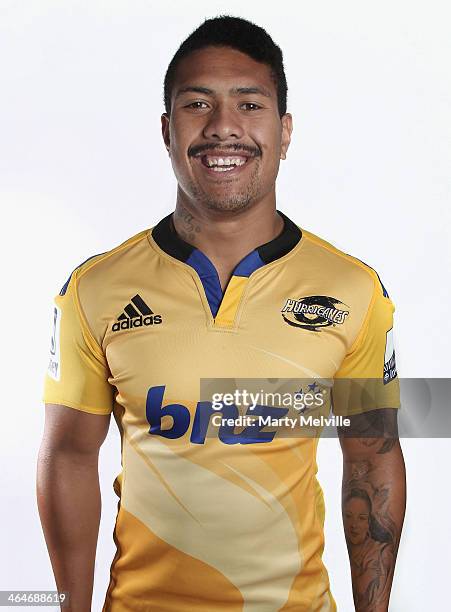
pixel 347 267
pixel 103 264
pixel 92 289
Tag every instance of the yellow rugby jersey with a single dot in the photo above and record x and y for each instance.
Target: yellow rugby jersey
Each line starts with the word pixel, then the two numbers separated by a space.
pixel 226 519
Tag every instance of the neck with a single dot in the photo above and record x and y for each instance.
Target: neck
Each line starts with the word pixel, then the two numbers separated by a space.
pixel 227 236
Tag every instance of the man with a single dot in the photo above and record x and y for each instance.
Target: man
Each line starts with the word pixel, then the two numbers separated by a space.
pixel 222 517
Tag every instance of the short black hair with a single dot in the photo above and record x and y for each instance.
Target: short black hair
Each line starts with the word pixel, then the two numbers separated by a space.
pixel 239 34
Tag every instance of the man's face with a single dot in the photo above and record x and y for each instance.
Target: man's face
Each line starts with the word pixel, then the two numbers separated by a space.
pixel 224 134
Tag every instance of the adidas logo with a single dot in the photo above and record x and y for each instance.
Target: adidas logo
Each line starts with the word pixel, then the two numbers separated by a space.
pixel 136 314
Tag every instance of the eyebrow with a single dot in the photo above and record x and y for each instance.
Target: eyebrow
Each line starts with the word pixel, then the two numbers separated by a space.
pixel 235 91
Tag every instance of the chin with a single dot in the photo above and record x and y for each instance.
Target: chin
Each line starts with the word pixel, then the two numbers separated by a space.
pixel 231 205
pixel 233 202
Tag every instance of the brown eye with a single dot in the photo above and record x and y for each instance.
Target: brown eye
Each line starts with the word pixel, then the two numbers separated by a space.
pixel 197 105
pixel 250 106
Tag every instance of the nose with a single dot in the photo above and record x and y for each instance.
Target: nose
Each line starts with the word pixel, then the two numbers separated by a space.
pixel 223 124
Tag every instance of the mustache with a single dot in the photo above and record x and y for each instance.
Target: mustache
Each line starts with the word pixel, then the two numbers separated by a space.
pixel 211 146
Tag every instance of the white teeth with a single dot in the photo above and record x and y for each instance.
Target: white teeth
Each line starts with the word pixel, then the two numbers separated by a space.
pixel 222 169
pixel 213 162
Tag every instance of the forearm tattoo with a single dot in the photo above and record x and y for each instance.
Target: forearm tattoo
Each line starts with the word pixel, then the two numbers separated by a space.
pixel 370 501
pixel 378 428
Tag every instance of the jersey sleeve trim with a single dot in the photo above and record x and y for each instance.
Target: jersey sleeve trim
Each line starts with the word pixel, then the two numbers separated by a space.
pixel 75 405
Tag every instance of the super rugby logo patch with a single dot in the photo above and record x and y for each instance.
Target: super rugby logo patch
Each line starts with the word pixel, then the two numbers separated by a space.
pixel 54 367
pixel 314 312
pixel 389 360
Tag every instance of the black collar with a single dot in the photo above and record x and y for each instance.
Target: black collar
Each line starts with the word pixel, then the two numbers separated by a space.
pixel 168 240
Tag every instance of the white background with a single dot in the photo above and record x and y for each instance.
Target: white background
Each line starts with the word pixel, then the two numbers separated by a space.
pixel 82 168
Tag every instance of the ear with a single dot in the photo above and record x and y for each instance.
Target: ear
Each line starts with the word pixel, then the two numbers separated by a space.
pixel 165 131
pixel 287 128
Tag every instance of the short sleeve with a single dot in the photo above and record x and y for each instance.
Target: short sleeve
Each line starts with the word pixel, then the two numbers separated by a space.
pixel 367 377
pixel 77 373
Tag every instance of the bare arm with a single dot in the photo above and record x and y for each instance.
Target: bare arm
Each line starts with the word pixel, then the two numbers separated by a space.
pixel 374 497
pixel 68 497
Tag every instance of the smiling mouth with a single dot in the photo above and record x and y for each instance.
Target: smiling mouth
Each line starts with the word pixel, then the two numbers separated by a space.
pixel 223 163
